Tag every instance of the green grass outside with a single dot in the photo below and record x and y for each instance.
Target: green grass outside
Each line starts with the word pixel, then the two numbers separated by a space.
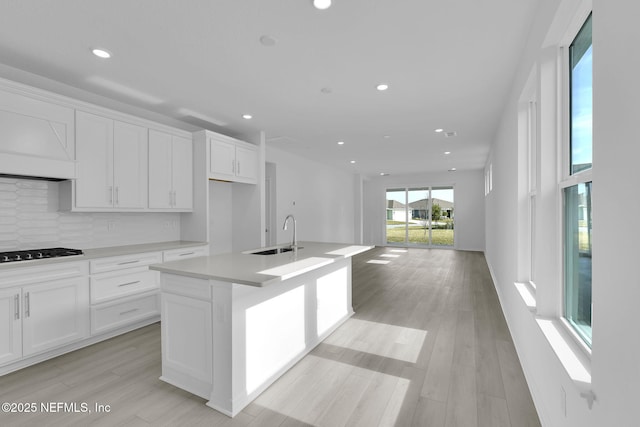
pixel 417 235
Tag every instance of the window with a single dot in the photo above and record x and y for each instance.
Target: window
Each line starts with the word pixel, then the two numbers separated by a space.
pixel 488 179
pixel 577 274
pixel 581 99
pixel 532 181
pixel 577 186
pixel 422 216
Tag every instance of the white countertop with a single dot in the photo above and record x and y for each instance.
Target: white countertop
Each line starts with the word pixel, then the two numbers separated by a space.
pixel 106 252
pixel 261 270
pixel 139 249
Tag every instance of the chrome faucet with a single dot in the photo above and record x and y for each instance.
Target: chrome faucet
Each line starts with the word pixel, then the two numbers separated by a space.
pixel 294 243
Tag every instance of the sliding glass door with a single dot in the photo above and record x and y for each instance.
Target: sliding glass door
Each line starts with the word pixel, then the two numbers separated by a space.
pixel 421 216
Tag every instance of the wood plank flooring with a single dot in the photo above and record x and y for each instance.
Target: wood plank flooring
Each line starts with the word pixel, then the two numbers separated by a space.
pixel 428 346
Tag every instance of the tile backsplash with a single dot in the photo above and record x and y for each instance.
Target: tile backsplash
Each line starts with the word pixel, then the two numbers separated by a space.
pixel 29 219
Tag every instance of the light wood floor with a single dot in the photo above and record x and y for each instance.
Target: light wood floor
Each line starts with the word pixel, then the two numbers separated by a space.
pixel 428 346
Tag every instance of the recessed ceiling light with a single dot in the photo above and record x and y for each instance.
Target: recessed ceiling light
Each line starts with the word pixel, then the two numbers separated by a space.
pixel 247 116
pixel 439 130
pixel 101 53
pixel 340 142
pixel 386 137
pixel 352 161
pixel 452 170
pixel 267 40
pixel 447 152
pixel 384 174
pixel 382 86
pixel 321 4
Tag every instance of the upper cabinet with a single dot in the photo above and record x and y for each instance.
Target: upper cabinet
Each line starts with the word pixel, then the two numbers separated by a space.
pixel 232 160
pixel 112 164
pixel 170 172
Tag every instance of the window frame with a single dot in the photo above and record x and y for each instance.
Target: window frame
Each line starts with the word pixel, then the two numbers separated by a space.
pixel 566 178
pixel 406 190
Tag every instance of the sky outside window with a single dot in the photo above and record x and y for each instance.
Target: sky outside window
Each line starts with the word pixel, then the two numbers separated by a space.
pixel 581 57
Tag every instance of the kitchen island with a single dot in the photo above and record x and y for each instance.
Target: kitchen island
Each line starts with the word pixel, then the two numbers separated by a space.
pixel 233 323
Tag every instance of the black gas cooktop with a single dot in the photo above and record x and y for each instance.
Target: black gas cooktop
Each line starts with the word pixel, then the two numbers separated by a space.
pixel 33 254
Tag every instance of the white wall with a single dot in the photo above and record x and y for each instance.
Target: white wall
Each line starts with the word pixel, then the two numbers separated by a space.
pixel 616 289
pixel 29 219
pixel 615 357
pixel 468 202
pixel 322 199
pixel 220 217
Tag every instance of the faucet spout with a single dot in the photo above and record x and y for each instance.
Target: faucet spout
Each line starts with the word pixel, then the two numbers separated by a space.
pixel 294 242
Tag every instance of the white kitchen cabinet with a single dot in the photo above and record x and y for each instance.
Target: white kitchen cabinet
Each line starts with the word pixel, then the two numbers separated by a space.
pixel 170 172
pixel 184 253
pixel 123 291
pixel 112 161
pixel 247 161
pixel 42 308
pixel 232 160
pixel 54 314
pixel 124 312
pixel 187 347
pixel 10 325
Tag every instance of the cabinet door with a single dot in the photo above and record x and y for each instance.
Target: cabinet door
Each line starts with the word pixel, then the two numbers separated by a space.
pixel 247 164
pixel 10 325
pixel 223 160
pixel 160 174
pixel 130 158
pixel 94 154
pixel 189 354
pixel 54 313
pixel 182 168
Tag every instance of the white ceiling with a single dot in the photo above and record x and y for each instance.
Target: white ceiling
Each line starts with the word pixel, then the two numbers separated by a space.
pixel 449 64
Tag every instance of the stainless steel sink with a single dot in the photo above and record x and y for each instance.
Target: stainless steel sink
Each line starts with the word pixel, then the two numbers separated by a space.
pixel 275 251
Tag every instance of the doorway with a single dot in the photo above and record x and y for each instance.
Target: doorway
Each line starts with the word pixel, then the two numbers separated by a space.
pixel 271 232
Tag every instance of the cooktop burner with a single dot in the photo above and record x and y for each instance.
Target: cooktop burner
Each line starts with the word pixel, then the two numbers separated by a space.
pixel 33 254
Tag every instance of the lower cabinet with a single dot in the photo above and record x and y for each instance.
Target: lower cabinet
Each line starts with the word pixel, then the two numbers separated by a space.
pixel 123 291
pixel 54 314
pixel 45 309
pixel 10 325
pixel 122 312
pixel 187 348
pixel 42 313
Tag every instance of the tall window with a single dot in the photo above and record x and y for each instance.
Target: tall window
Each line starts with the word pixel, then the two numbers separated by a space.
pixel 532 181
pixel 577 186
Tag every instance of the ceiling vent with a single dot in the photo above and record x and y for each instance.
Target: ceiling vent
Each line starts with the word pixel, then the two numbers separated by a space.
pixel 450 134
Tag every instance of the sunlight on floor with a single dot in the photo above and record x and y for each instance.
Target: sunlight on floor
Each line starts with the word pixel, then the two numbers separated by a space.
pixel 339 390
pixel 377 261
pixel 389 255
pixel 390 341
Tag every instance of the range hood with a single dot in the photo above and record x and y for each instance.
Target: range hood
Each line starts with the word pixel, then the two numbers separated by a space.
pixel 37 141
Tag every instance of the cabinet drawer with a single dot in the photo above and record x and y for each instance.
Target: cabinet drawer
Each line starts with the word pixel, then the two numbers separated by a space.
pixel 121 313
pixel 25 275
pixel 105 287
pixel 184 253
pixel 125 261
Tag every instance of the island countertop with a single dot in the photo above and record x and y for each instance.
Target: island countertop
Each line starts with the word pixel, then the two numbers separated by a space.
pixel 250 269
